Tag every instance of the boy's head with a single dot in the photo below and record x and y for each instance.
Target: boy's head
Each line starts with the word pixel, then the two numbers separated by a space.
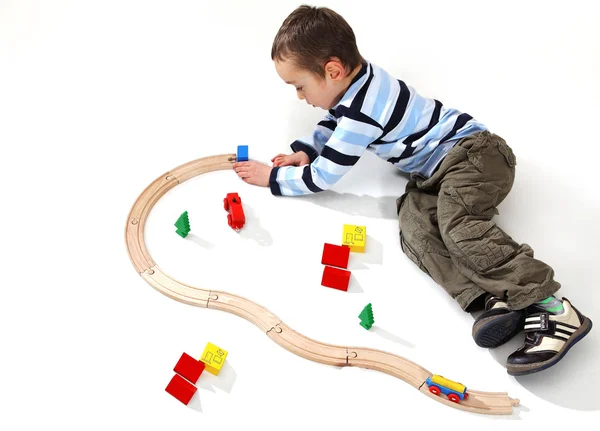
pixel 315 50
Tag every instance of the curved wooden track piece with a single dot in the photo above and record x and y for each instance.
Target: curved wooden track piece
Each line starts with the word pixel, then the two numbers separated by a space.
pixel 413 374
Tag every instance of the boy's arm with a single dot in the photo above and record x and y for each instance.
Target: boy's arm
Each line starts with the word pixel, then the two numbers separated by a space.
pixel 347 143
pixel 313 145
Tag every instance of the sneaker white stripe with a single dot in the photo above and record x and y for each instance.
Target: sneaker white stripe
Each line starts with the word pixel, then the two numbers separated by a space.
pixel 538 326
pixel 561 335
pixel 565 328
pixel 533 319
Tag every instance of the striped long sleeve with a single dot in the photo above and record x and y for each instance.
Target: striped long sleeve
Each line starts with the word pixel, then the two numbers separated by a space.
pixel 348 141
pixel 381 114
pixel 313 145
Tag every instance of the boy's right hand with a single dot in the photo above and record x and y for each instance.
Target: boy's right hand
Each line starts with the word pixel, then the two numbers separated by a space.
pixel 297 159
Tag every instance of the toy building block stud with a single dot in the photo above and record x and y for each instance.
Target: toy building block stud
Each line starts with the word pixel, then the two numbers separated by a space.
pixel 214 358
pixel 355 237
pixel 183 225
pixel 189 368
pixel 233 204
pixel 181 389
pixel 242 153
pixel 336 278
pixel 366 317
pixel 335 255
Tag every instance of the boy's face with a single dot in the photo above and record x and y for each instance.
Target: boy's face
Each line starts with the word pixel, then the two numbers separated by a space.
pixel 319 92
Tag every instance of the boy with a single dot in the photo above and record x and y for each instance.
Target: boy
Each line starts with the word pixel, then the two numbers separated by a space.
pixel 459 173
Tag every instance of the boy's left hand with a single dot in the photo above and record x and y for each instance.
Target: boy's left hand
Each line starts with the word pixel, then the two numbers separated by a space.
pixel 253 172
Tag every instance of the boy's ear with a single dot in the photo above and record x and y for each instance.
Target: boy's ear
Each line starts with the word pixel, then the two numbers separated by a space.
pixel 334 69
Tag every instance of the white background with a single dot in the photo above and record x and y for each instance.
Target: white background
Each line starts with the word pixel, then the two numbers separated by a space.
pixel 97 99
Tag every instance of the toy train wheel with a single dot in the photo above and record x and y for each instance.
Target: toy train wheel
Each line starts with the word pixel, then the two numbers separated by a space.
pixel 434 390
pixel 466 396
pixel 226 204
pixel 454 398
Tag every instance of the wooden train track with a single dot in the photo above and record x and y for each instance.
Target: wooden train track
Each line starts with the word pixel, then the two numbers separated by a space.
pixel 497 403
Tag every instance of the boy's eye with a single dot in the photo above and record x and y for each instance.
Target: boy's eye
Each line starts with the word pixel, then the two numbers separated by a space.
pixel 298 88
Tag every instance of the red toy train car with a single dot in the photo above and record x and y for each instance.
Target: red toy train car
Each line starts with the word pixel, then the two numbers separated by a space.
pixel 233 204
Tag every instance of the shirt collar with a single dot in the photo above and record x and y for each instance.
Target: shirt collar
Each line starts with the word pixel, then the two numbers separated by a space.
pixel 362 72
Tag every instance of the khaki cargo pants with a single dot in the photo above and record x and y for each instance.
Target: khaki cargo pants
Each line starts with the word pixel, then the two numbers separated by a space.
pixel 446 227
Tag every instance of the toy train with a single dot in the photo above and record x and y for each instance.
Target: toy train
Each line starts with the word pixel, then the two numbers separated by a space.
pixel 233 205
pixel 456 392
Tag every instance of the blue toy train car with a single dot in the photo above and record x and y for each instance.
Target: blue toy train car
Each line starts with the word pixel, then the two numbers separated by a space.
pixel 456 392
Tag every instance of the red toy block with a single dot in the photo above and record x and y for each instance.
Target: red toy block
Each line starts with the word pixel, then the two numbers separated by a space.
pixel 181 389
pixel 335 255
pixel 336 278
pixel 233 205
pixel 189 368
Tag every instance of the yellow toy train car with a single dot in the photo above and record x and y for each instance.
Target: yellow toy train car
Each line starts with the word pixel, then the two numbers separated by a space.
pixel 456 392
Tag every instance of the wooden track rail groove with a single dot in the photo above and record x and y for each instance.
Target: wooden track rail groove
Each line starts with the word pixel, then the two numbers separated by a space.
pixel 495 403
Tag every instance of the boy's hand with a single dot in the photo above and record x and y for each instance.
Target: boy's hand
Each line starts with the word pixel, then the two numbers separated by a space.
pixel 253 172
pixel 297 159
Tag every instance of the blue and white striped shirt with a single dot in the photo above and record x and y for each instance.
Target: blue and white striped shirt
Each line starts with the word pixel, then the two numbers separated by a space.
pixel 380 114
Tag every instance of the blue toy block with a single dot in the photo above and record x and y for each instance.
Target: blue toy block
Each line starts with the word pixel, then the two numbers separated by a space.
pixel 242 153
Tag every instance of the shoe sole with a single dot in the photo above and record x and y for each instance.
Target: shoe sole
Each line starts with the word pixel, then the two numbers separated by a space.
pixel 497 330
pixel 522 370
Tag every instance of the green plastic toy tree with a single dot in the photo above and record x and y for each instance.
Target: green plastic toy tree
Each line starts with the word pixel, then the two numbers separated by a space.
pixel 183 225
pixel 366 317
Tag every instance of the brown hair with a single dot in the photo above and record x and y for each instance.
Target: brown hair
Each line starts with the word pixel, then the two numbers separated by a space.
pixel 311 35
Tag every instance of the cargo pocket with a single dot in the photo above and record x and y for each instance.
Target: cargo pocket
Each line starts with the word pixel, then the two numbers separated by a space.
pixel 483 243
pixel 412 254
pixel 478 198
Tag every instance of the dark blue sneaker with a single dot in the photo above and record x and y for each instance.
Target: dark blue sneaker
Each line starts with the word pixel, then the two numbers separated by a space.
pixel 497 324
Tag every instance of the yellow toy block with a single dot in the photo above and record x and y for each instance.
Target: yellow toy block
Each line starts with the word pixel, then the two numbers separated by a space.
pixel 355 237
pixel 214 358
